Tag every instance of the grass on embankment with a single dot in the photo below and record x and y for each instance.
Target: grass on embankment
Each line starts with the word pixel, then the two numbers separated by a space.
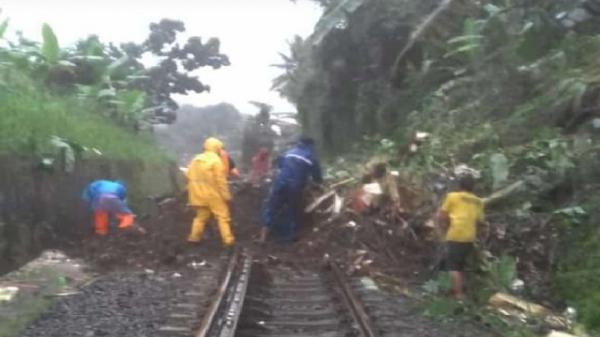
pixel 29 118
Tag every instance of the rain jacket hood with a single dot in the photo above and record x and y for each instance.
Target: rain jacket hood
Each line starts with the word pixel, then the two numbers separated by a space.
pixel 207 182
pixel 213 145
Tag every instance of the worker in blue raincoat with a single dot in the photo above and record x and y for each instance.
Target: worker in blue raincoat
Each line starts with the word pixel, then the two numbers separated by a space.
pixel 106 199
pixel 282 210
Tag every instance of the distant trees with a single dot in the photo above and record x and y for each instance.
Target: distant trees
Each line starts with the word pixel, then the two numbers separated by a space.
pixel 186 135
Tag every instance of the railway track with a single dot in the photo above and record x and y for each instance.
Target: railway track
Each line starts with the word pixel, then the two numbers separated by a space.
pixel 193 301
pixel 236 296
pixel 254 300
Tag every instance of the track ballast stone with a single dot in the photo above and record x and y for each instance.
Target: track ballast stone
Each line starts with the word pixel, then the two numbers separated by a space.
pixel 121 304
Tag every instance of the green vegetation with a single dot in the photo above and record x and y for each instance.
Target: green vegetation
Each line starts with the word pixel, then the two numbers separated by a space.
pixel 30 117
pixel 94 95
pixel 498 85
pixel 27 305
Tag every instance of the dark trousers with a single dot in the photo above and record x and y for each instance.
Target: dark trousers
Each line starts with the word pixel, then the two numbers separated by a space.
pixel 281 212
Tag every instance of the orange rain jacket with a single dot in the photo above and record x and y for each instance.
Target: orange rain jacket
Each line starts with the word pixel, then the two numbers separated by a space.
pixel 229 165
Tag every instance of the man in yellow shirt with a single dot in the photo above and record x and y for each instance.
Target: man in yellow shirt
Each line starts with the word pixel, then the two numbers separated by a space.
pixel 460 214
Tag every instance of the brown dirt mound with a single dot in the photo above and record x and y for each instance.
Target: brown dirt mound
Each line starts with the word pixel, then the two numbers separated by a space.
pixel 164 245
pixel 364 244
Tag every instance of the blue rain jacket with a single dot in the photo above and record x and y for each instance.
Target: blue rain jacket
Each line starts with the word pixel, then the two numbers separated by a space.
pixel 93 191
pixel 296 166
pixel 282 210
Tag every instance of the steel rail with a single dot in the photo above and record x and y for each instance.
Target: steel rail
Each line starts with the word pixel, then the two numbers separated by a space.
pixel 225 310
pixel 207 321
pixel 235 300
pixel 353 303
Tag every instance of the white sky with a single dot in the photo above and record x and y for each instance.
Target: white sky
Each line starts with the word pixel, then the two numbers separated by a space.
pixel 252 32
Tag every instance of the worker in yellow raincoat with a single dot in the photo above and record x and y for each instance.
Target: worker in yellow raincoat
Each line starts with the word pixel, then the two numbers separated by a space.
pixel 208 192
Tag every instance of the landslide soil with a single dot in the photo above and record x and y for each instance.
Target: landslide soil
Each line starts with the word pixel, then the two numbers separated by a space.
pixel 138 284
pixel 164 247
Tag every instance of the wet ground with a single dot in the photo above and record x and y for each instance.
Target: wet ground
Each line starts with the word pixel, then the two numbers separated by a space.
pixel 145 277
pixel 130 304
pixel 134 304
pixel 164 246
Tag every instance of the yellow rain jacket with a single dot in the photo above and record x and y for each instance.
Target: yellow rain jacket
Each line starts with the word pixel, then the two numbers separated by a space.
pixel 207 181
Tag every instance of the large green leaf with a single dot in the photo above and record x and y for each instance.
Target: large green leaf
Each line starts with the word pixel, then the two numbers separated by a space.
pixel 500 169
pixel 130 103
pixel 106 93
pixel 66 151
pixel 468 38
pixel 504 271
pixel 463 49
pixel 113 67
pixel 3 27
pixel 50 48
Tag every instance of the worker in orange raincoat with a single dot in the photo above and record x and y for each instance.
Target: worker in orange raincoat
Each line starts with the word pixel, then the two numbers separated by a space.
pixel 208 192
pixel 229 165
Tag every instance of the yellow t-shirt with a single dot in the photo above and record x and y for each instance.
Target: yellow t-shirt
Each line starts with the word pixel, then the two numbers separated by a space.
pixel 464 210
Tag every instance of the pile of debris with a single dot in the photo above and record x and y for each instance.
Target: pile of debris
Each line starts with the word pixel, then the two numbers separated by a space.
pixel 373 223
pixel 381 225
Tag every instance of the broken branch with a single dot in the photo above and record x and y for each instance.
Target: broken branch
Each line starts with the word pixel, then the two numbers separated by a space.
pixel 341 183
pixel 503 192
pixel 319 201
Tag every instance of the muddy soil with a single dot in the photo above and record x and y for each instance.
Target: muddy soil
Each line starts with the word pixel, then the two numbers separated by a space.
pixel 129 301
pixel 164 246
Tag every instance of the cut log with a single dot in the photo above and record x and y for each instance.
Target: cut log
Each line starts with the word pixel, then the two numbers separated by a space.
pixel 500 300
pixel 512 306
pixel 555 333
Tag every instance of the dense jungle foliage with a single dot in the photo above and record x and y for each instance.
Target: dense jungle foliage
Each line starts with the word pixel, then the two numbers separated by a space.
pixel 501 86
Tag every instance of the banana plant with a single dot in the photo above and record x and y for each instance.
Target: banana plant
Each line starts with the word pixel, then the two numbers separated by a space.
pixel 50 49
pixel 470 42
pixel 3 28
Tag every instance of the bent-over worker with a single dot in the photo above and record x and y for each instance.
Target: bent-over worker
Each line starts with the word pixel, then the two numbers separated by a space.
pixel 107 199
pixel 208 192
pixel 285 199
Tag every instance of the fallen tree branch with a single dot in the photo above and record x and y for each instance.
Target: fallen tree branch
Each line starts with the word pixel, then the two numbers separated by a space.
pixel 331 193
pixel 319 201
pixel 503 193
pixel 341 183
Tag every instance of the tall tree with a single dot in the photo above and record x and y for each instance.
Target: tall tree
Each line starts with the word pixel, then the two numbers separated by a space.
pixel 172 74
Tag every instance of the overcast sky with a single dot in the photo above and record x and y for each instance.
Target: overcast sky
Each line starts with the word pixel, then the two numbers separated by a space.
pixel 252 32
